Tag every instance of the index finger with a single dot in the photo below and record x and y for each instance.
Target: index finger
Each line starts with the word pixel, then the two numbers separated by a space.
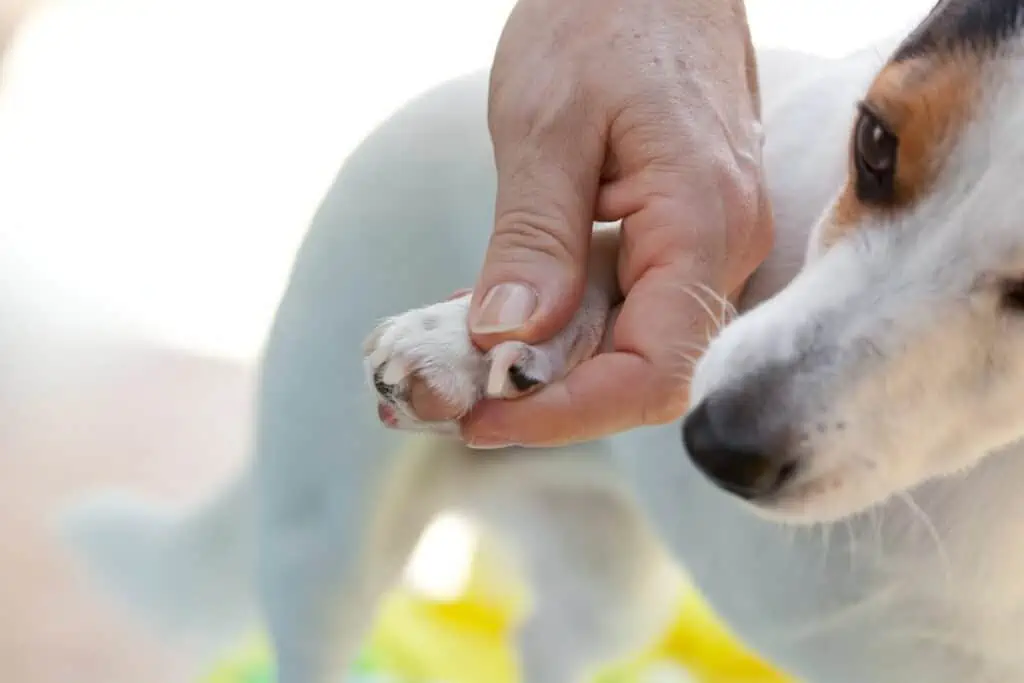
pixel 588 404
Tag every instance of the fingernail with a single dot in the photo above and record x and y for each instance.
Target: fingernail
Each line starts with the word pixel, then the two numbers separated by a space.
pixel 486 445
pixel 505 308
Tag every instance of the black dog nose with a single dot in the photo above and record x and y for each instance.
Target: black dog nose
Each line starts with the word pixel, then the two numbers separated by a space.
pixel 731 452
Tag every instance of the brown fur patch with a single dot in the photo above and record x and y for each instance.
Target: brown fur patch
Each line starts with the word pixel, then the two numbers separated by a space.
pixel 925 102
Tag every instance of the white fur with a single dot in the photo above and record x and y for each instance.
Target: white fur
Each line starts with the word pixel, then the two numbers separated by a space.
pixel 432 344
pixel 919 581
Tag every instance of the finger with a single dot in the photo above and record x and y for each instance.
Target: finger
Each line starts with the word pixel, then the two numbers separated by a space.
pixel 535 268
pixel 599 398
pixel 660 332
pixel 724 199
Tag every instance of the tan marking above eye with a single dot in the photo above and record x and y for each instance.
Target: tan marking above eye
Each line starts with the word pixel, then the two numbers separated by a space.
pixel 925 103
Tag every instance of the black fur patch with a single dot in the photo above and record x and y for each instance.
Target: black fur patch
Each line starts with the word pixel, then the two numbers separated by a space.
pixel 957 24
pixel 520 380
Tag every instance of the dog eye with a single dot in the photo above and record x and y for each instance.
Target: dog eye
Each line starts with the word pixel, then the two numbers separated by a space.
pixel 1013 296
pixel 875 156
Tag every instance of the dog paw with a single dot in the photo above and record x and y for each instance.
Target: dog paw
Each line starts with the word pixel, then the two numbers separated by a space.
pixel 431 346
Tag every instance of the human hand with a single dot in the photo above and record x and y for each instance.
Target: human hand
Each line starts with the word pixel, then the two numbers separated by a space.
pixel 642 110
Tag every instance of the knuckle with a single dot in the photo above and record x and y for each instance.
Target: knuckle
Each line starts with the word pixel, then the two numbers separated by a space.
pixel 522 235
pixel 748 226
pixel 550 107
pixel 750 223
pixel 517 107
pixel 743 190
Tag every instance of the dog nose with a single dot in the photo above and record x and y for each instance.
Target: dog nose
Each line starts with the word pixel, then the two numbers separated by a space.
pixel 732 453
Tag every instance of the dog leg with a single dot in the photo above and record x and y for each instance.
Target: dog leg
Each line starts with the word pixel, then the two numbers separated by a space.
pixel 317 618
pixel 321 570
pixel 602 586
pixel 320 617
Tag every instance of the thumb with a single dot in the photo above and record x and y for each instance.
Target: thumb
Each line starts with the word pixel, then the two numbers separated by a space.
pixel 534 272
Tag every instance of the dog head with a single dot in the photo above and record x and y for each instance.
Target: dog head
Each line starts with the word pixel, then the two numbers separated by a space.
pixel 897 354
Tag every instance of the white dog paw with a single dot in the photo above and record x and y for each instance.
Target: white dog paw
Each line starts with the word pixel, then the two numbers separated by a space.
pixel 431 345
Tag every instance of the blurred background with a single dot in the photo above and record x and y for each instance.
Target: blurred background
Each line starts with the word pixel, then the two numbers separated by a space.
pixel 159 162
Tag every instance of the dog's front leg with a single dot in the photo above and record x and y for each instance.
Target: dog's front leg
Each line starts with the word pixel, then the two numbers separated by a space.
pixel 431 345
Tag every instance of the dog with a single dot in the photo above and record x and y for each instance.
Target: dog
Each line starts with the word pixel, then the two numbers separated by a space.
pixel 844 489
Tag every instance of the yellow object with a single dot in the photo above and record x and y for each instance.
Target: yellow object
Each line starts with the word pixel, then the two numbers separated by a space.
pixel 416 640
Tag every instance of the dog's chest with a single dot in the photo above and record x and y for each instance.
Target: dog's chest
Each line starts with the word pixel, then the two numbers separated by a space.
pixel 922 589
pixel 932 586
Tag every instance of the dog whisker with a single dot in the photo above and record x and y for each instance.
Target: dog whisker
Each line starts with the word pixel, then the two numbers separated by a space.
pixel 694 290
pixel 728 310
pixel 930 530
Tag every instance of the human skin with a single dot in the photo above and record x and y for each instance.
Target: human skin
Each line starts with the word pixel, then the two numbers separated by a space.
pixel 645 111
